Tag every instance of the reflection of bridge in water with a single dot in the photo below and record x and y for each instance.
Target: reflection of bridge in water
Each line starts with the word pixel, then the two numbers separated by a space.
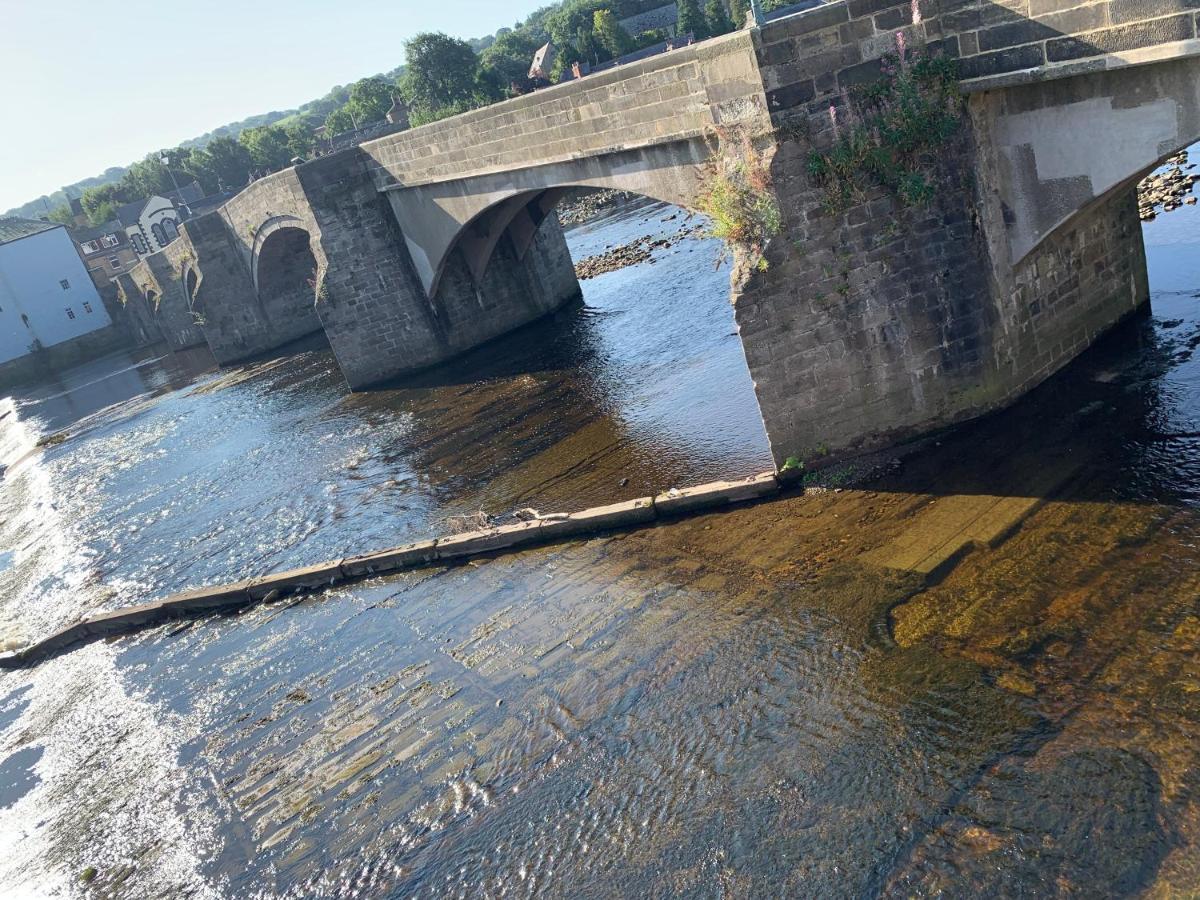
pixel 868 324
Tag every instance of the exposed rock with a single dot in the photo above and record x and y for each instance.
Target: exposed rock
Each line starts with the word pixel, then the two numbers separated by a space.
pixel 1166 191
pixel 588 206
pixel 630 254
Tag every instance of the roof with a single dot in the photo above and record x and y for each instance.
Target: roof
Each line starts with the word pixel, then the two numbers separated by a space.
pixel 129 213
pixel 91 233
pixel 13 228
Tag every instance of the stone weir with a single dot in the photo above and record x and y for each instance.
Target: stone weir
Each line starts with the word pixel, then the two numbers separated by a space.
pixel 441 551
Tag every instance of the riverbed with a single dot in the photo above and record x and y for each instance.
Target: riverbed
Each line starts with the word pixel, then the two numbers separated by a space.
pixel 835 694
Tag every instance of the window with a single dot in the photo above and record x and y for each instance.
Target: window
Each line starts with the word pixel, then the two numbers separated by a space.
pixel 160 236
pixel 139 244
pixel 110 240
pixel 70 313
pixel 90 246
pixel 115 262
pixel 66 285
pixel 171 229
pixel 87 307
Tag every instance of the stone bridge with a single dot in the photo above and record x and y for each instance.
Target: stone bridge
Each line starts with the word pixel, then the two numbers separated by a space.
pixel 867 325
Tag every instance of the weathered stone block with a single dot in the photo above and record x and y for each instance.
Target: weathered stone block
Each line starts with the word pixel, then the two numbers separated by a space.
pixel 603 518
pixel 124 620
pixel 717 493
pixel 297 580
pixel 473 543
pixel 228 596
pixel 408 556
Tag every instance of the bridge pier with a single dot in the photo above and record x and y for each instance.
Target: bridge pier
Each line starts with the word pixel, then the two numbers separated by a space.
pixel 519 284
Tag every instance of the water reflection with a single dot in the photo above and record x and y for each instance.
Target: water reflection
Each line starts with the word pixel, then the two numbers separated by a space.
pixel 747 703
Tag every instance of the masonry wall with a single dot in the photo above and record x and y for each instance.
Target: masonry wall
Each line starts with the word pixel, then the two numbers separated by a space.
pixel 878 322
pixel 223 295
pixel 373 307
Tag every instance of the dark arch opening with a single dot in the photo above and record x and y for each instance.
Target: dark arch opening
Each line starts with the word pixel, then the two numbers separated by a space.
pixel 287 271
pixel 651 365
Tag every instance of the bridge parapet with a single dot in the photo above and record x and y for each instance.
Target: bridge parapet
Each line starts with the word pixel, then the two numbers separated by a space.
pixel 822 52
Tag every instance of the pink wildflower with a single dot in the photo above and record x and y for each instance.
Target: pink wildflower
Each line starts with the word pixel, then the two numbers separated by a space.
pixel 900 48
pixel 916 12
pixel 833 119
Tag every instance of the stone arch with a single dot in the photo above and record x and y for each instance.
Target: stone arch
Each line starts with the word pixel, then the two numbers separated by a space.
pixel 435 217
pixel 286 278
pixel 1065 146
pixel 264 231
pixel 517 217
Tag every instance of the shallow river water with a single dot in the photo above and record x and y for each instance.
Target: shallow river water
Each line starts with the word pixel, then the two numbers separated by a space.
pixel 974 673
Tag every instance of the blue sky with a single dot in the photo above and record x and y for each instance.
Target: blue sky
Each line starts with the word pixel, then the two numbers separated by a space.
pixel 85 86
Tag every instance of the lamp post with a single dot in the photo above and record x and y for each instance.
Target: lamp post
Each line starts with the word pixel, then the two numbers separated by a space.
pixel 166 161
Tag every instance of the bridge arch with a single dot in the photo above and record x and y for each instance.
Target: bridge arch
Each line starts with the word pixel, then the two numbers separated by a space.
pixel 1066 146
pixel 286 273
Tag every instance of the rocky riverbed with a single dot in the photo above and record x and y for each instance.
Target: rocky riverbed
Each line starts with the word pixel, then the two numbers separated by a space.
pixel 587 206
pixel 637 251
pixel 1167 189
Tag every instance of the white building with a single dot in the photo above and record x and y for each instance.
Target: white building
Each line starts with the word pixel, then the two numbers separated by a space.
pixel 153 223
pixel 46 294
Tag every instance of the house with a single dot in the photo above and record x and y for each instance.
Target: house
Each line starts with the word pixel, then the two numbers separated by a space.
pixel 153 223
pixel 106 251
pixel 47 298
pixel 543 62
pixel 398 114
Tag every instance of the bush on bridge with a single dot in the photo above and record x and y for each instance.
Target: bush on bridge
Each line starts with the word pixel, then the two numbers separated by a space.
pixel 897 126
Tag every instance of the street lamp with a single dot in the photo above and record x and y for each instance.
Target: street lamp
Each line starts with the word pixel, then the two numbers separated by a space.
pixel 166 161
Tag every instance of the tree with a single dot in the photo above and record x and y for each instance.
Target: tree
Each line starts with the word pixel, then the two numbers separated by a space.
pixel 227 162
pixel 62 215
pixel 370 99
pixel 609 34
pixel 509 58
pixel 716 16
pixel 443 78
pixel 146 178
pixel 267 146
pixel 738 9
pixel 339 121
pixel 300 139
pixel 692 20
pixel 100 203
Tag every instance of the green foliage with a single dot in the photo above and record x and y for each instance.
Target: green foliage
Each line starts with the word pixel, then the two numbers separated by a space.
pixel 692 20
pixel 100 203
pixel 62 215
pixel 901 123
pixel 737 11
pixel 609 34
pixel 443 78
pixel 716 16
pixel 792 464
pixel 339 121
pixel 370 99
pixel 736 194
pixel 268 147
pixel 227 163
pixel 508 59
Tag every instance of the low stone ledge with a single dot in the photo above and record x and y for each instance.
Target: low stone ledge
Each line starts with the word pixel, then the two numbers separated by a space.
pixel 418 554
pixel 60 640
pixel 209 599
pixel 606 518
pixel 122 620
pixel 472 543
pixel 295 581
pixel 717 493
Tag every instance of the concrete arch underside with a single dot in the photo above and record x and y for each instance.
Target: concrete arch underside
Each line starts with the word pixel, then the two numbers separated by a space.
pixel 472 214
pixel 1062 147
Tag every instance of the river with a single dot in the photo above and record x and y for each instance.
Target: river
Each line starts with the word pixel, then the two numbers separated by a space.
pixel 760 702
